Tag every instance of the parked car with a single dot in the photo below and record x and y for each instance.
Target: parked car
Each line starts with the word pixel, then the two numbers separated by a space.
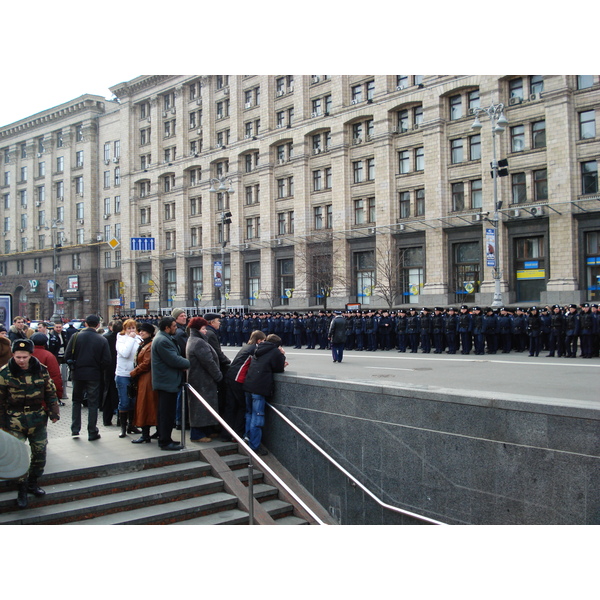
pixel 77 323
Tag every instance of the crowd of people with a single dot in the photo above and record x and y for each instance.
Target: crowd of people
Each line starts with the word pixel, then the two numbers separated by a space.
pixel 136 371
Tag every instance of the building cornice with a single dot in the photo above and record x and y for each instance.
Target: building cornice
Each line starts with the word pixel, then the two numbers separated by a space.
pixel 139 84
pixel 87 102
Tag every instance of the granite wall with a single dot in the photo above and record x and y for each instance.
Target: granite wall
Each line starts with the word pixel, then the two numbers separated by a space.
pixel 452 457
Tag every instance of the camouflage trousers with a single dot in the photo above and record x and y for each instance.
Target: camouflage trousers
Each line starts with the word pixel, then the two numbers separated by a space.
pixel 31 427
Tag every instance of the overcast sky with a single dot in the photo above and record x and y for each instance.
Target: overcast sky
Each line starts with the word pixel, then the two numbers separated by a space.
pixel 70 51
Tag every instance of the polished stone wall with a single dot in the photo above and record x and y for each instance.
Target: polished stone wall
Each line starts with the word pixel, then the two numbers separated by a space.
pixel 453 457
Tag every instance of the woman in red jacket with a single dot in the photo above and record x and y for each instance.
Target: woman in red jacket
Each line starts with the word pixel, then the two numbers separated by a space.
pixel 40 351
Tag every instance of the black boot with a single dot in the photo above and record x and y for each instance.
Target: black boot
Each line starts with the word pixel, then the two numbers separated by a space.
pixel 34 488
pixel 123 415
pixel 145 438
pixel 132 428
pixel 22 499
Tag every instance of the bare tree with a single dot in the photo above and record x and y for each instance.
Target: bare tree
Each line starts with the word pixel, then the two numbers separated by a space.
pixel 387 285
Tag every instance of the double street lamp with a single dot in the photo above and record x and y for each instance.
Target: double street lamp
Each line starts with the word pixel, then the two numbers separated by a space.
pixel 495 112
pixel 223 183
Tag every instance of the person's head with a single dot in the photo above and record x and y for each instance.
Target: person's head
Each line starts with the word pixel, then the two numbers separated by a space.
pixel 19 322
pixel 3 331
pixel 257 337
pixel 146 331
pixel 168 325
pixel 213 319
pixel 198 323
pixel 22 351
pixel 39 339
pixel 92 321
pixel 179 315
pixel 128 326
pixel 274 339
pixel 58 326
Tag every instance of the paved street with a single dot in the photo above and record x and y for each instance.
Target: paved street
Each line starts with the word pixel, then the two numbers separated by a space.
pixel 565 379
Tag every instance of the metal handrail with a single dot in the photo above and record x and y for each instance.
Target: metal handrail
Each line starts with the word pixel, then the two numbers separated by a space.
pixel 255 458
pixel 350 476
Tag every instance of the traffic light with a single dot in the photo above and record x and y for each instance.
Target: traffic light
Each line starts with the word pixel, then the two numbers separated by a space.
pixel 226 218
pixel 58 247
pixel 502 168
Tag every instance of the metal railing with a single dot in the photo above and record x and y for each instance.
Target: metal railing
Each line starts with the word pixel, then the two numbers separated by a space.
pixel 353 479
pixel 253 456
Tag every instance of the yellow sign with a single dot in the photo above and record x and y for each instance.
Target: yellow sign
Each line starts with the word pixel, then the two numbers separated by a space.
pixel 114 243
pixel 531 274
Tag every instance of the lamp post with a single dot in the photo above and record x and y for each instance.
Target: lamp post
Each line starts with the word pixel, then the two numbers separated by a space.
pixel 225 220
pixel 56 248
pixel 495 112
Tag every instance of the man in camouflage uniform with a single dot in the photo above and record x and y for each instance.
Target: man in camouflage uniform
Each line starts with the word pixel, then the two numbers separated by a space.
pixel 27 400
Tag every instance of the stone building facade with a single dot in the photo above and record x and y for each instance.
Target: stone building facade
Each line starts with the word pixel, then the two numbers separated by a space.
pixel 373 190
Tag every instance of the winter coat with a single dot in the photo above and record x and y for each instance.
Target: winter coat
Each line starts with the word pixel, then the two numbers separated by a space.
pixel 91 354
pixel 51 363
pixel 337 330
pixel 5 350
pixel 246 351
pixel 32 387
pixel 126 350
pixel 203 376
pixel 146 404
pixel 212 337
pixel 267 359
pixel 168 366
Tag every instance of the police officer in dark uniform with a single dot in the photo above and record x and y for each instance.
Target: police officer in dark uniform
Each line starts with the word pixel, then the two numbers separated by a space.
pixel 534 331
pixel 450 330
pixel 478 336
pixel 519 330
pixel 425 330
pixel 413 330
pixel 571 331
pixel 401 330
pixel 557 332
pixel 490 330
pixel 310 327
pixel 505 329
pixel 587 328
pixel 437 329
pixel 385 331
pixel 465 329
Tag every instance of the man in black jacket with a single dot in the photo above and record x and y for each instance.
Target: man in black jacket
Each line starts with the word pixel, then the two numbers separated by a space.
pixel 88 355
pixel 268 358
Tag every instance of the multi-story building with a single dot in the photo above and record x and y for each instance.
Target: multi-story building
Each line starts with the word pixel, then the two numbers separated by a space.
pixel 292 191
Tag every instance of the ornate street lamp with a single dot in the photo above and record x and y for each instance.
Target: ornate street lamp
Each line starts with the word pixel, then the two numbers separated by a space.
pixel 498 121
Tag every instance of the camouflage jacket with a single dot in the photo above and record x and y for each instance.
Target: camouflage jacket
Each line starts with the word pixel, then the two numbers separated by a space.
pixel 32 387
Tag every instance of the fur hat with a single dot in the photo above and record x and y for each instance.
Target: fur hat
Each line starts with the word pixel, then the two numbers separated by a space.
pixel 22 346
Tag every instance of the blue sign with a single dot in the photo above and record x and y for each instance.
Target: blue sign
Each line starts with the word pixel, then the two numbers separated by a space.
pixel 142 243
pixel 531 264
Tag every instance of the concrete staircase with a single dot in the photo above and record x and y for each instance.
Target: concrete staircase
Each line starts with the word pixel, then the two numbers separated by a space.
pixel 207 486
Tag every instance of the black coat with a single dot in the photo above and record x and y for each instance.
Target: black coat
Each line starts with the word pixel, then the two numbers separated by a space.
pixel 267 359
pixel 91 354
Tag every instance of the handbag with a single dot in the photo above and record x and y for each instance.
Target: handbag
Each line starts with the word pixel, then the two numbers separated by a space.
pixel 132 387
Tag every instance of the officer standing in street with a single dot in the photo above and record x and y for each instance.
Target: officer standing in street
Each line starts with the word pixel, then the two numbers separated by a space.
pixel 27 400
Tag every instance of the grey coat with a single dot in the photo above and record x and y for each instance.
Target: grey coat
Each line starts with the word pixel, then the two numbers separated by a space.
pixel 203 376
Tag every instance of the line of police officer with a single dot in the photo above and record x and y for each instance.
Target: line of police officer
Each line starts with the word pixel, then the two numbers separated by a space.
pixel 557 330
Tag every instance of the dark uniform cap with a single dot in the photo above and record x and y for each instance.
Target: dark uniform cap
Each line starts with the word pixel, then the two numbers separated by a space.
pixel 572 305
pixel 452 309
pixel 464 307
pixel 438 308
pixel 555 306
pixel 401 312
pixel 23 346
pixel 211 316
pixel 585 305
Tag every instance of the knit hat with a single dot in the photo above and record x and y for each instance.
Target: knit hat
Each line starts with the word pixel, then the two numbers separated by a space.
pixel 39 339
pixel 176 312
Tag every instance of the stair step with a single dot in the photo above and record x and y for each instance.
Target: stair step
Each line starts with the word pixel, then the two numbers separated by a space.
pixel 83 510
pixel 235 461
pixel 278 508
pixel 291 520
pixel 264 491
pixel 88 488
pixel 171 513
pixel 225 517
